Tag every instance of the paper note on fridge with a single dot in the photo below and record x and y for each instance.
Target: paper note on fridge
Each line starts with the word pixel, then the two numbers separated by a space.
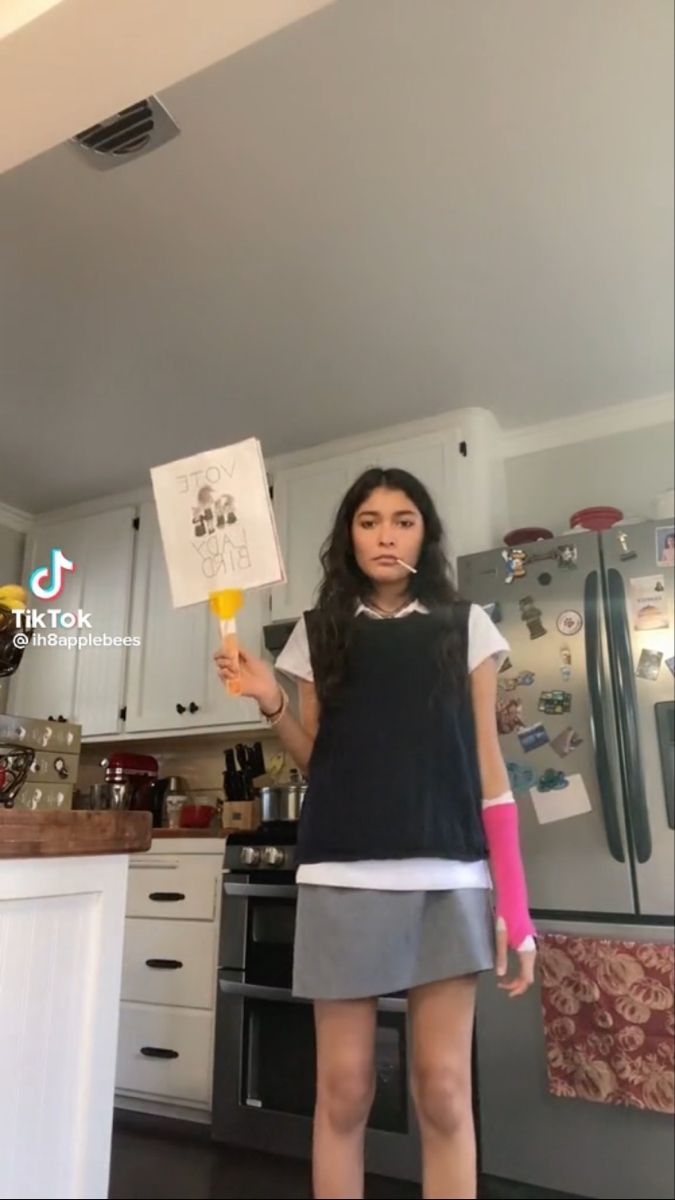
pixel 555 805
pixel 650 604
pixel 217 522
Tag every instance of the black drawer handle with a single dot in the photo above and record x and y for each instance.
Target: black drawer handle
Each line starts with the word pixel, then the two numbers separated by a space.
pixel 164 964
pixel 166 897
pixel 192 707
pixel 158 1052
pixel 180 708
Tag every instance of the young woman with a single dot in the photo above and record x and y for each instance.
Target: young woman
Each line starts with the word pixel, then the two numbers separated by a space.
pixel 408 797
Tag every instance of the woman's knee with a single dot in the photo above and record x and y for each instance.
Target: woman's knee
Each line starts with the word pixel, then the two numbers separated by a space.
pixel 345 1094
pixel 442 1095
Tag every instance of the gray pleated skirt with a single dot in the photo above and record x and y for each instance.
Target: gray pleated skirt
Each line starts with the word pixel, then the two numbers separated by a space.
pixel 355 942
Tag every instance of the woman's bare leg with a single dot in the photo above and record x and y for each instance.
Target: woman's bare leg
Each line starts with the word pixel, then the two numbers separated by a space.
pixel 441 1021
pixel 345 1058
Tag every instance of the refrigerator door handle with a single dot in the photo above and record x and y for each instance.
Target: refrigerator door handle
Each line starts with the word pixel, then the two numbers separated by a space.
pixel 631 756
pixel 596 689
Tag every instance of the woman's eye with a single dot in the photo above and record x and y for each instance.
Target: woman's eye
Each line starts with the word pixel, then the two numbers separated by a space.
pixel 367 524
pixel 407 523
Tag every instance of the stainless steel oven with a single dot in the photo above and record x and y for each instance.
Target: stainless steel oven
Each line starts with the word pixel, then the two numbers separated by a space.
pixel 264 1076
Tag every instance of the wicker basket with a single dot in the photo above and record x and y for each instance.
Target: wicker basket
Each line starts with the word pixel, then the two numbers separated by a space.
pixel 11 653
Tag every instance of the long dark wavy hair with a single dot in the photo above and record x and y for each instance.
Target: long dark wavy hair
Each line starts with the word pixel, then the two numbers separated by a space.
pixel 344 584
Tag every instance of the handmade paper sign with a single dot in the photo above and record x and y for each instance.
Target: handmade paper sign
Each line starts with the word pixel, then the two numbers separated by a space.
pixel 217 523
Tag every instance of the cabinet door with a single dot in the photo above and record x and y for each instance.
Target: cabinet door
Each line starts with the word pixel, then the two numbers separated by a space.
pixel 44 684
pixel 305 503
pixel 81 684
pixel 108 550
pixel 165 669
pixel 433 458
pixel 172 680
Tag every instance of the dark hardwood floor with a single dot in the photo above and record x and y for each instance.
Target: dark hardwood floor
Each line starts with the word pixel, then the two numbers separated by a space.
pixel 178 1163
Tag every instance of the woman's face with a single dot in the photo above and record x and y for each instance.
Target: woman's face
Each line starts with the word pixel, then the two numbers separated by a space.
pixel 670 541
pixel 385 527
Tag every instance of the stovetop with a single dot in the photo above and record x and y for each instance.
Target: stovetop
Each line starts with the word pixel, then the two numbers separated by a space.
pixel 270 848
pixel 274 833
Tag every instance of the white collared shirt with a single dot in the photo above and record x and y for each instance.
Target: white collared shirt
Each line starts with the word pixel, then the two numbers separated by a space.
pixel 410 874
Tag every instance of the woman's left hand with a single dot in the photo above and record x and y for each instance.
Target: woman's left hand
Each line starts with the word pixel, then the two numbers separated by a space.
pixel 518 984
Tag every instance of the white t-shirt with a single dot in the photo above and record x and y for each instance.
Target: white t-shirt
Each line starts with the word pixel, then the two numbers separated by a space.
pixel 409 874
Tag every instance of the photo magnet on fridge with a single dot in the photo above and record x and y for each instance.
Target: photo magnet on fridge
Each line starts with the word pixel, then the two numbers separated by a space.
pixel 649 665
pixel 566 741
pixel 555 704
pixel 533 737
pixel 650 604
pixel 509 716
pixel 665 545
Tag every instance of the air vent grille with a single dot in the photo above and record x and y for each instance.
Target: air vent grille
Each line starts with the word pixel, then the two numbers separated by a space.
pixel 127 135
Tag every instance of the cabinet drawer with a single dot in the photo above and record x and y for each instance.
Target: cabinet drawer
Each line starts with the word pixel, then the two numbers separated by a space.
pixel 172 886
pixel 169 962
pixel 165 1052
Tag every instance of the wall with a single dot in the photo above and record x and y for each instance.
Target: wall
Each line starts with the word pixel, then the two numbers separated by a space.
pixel 11 555
pixel 626 470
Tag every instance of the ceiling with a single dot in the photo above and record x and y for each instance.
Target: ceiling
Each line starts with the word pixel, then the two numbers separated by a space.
pixel 391 209
pixel 67 64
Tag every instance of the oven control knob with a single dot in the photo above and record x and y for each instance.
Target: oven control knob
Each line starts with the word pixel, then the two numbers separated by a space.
pixel 273 856
pixel 250 856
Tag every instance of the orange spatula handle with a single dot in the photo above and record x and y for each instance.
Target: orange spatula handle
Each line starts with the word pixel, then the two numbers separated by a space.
pixel 231 646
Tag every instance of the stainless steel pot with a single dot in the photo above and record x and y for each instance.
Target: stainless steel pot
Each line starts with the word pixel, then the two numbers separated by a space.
pixel 282 803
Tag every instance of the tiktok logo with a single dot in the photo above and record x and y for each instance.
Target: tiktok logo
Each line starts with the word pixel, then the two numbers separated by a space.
pixel 47 582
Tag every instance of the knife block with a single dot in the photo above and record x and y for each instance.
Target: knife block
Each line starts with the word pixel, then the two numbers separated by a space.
pixel 241 815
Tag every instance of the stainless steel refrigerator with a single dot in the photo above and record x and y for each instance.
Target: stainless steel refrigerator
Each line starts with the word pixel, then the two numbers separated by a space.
pixel 589 618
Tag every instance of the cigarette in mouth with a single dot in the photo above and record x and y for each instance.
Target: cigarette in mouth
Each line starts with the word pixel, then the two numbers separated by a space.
pixel 401 563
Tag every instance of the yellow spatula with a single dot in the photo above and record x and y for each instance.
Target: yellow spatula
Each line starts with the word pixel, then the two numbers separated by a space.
pixel 226 604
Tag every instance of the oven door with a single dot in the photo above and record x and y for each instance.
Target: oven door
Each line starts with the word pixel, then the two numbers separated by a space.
pixel 264 1084
pixel 257 929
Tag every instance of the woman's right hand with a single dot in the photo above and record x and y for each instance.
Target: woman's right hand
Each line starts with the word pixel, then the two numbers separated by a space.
pixel 256 678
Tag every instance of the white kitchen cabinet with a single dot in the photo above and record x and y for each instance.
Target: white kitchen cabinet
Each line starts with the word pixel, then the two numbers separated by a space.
pixel 305 502
pixel 167 1018
pixel 172 681
pixel 85 684
pixel 306 498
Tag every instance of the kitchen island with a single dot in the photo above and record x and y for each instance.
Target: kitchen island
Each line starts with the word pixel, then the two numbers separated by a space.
pixel 63 883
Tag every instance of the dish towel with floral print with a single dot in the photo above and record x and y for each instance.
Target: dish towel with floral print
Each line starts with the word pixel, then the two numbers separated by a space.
pixel 609 1021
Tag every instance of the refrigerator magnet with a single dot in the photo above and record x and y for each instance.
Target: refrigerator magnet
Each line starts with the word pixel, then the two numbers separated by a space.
pixel 665 545
pixel 670 663
pixel 525 678
pixel 521 777
pixel 552 780
pixel 568 556
pixel 566 741
pixel 509 716
pixel 531 615
pixel 555 704
pixel 649 665
pixel 570 622
pixel 533 737
pixel 650 609
pixel 545 579
pixel 626 552
pixel 565 662
pixel 514 561
pixel 559 805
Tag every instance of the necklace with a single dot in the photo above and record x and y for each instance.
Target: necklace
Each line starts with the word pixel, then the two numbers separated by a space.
pixel 388 612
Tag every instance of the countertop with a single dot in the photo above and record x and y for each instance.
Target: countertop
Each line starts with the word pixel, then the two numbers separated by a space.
pixel 70 834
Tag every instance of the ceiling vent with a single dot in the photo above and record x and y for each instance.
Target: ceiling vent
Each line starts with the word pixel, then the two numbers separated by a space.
pixel 127 135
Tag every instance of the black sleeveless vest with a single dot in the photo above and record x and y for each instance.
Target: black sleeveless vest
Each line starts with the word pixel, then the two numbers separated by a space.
pixel 394 769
